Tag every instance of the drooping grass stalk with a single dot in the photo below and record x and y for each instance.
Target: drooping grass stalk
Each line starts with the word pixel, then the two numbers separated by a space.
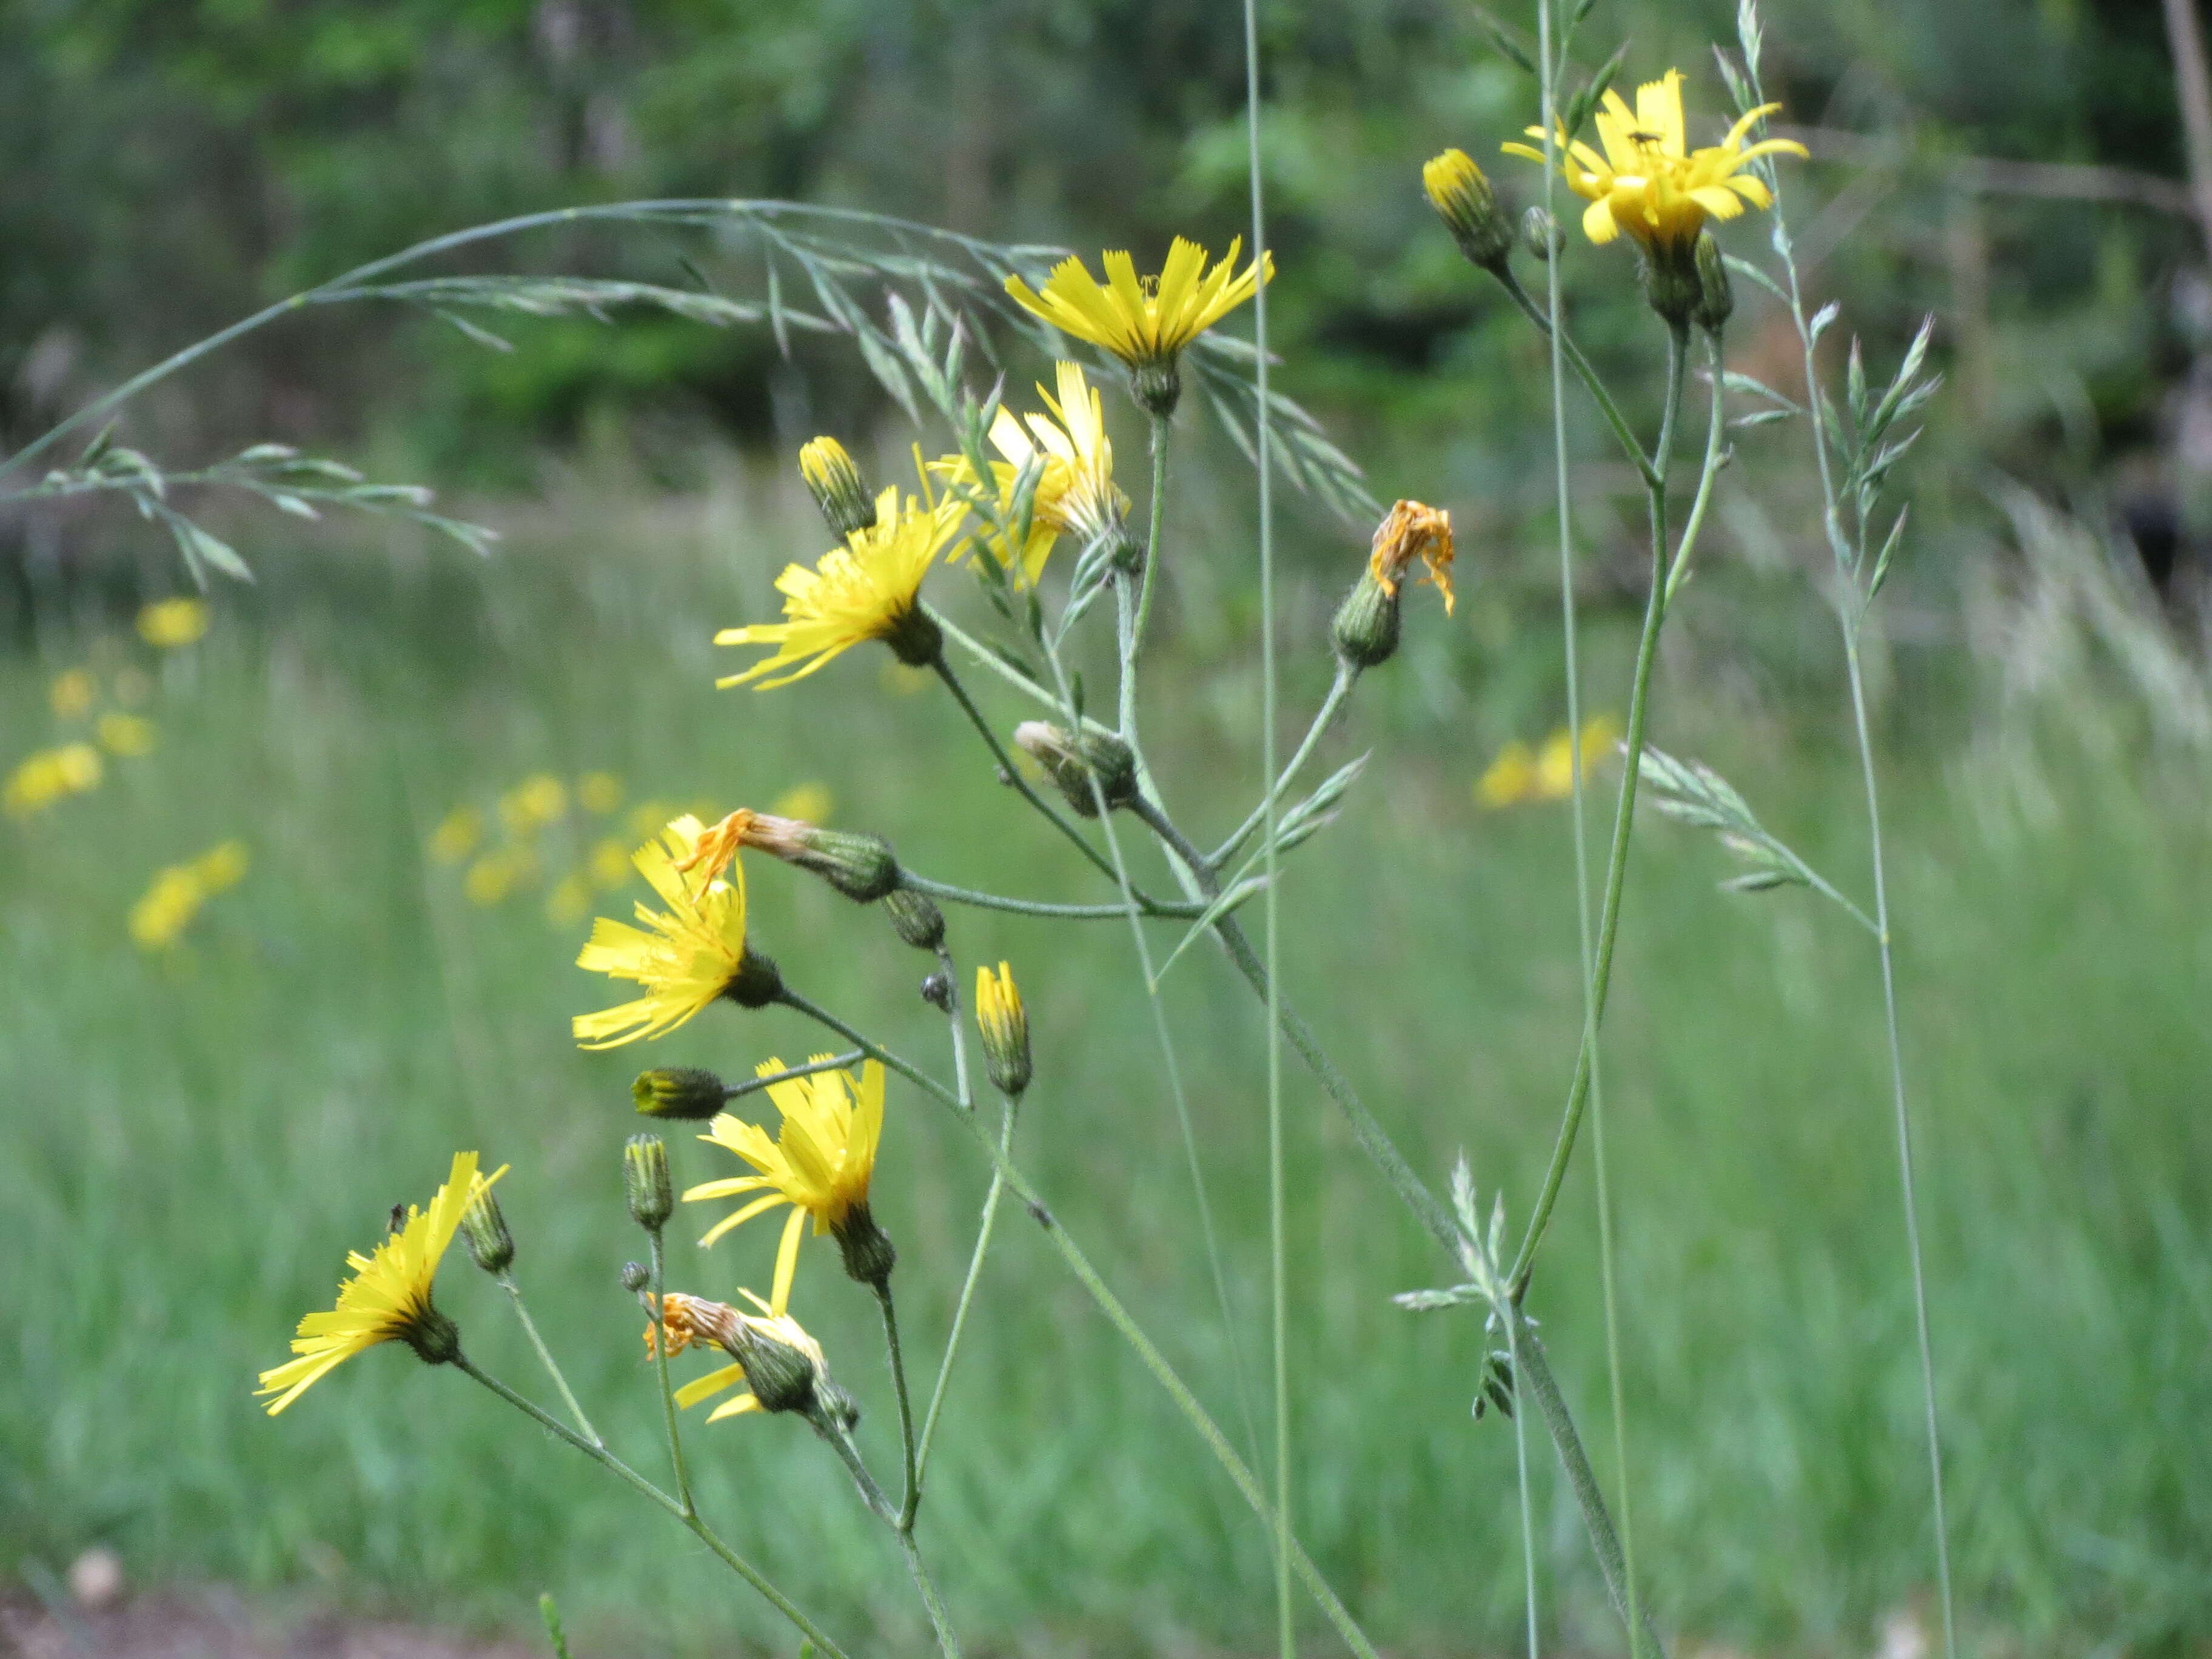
pixel 1270 897
pixel 705 1534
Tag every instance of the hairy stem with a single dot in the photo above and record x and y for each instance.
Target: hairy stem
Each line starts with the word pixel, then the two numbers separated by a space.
pixel 952 895
pixel 546 1355
pixel 667 1393
pixel 967 1293
pixel 1012 774
pixel 911 1499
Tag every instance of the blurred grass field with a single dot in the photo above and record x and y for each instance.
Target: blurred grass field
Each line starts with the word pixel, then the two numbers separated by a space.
pixel 193 1140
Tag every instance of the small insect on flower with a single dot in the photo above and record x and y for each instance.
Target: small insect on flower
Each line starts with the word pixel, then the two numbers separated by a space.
pixel 685 957
pixel 1075 492
pixel 820 1163
pixel 1649 182
pixel 388 1298
pixel 1146 321
pixel 168 624
pixel 868 589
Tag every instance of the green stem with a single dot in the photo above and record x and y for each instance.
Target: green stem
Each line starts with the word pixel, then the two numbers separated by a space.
pixel 1012 773
pixel 911 1500
pixel 952 895
pixel 544 1354
pixel 598 1454
pixel 873 1049
pixel 967 1293
pixel 667 1393
pixel 754 1086
pixel 1339 689
pixel 984 656
pixel 1583 371
pixel 1143 613
pixel 939 1620
pixel 1520 1477
pixel 871 1491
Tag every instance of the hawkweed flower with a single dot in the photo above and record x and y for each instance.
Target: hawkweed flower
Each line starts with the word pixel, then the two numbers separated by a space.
pixel 1004 1028
pixel 1465 202
pixel 678 1091
pixel 1651 185
pixel 49 775
pixel 684 957
pixel 834 479
pixel 782 1366
pixel 388 1298
pixel 177 893
pixel 868 589
pixel 1146 321
pixel 1075 493
pixel 1075 764
pixel 168 624
pixel 1366 629
pixel 127 736
pixel 860 866
pixel 819 1163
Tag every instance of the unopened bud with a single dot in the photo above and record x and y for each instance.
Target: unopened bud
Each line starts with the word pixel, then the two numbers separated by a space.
pixel 1005 1029
pixel 1365 631
pixel 645 1176
pixel 1540 234
pixel 1464 200
pixel 860 866
pixel 1075 762
pixel 869 1256
pixel 837 487
pixel 915 918
pixel 485 1226
pixel 635 1276
pixel 678 1091
pixel 1716 299
pixel 756 984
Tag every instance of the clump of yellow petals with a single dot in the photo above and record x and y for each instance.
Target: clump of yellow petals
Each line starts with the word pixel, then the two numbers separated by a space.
pixel 49 775
pixel 868 589
pixel 388 1298
pixel 177 894
pixel 170 623
pixel 696 1320
pixel 684 957
pixel 1412 531
pixel 1520 774
pixel 1146 321
pixel 1075 492
pixel 1649 182
pixel 820 1163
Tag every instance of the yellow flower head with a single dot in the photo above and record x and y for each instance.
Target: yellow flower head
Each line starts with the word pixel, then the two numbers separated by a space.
pixel 539 799
pixel 820 1163
pixel 1075 492
pixel 684 957
pixel 388 1298
pixel 457 835
pixel 1411 530
pixel 1649 182
pixel 1465 202
pixel 1508 780
pixel 1004 1027
pixel 169 623
pixel 47 776
pixel 833 478
pixel 1146 321
pixel 693 1321
pixel 867 589
pixel 126 735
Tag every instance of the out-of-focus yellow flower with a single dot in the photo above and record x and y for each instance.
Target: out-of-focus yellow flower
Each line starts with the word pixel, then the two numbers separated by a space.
pixel 457 835
pixel 49 775
pixel 72 693
pixel 1649 182
pixel 868 589
pixel 1075 492
pixel 819 1163
pixel 684 957
pixel 498 873
pixel 388 1298
pixel 1146 321
pixel 1508 780
pixel 599 792
pixel 167 907
pixel 570 900
pixel 125 735
pixel 539 800
pixel 810 801
pixel 169 623
pixel 646 817
pixel 608 864
pixel 1520 774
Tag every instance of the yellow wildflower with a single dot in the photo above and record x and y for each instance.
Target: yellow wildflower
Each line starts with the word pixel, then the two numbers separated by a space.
pixel 684 957
pixel 388 1298
pixel 72 693
pixel 570 901
pixel 457 835
pixel 45 777
pixel 819 1163
pixel 808 801
pixel 177 893
pixel 539 800
pixel 1555 765
pixel 1508 780
pixel 1075 492
pixel 497 873
pixel 126 735
pixel 833 480
pixel 868 589
pixel 1004 1028
pixel 599 792
pixel 169 623
pixel 610 864
pixel 1649 182
pixel 1146 321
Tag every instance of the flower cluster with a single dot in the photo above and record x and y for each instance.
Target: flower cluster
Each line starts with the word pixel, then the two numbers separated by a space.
pixel 179 892
pixel 1521 775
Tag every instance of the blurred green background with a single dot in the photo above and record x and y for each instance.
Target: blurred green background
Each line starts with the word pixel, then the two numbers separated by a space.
pixel 192 1136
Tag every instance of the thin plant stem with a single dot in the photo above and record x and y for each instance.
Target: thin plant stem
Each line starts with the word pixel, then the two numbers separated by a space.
pixel 870 1490
pixel 911 1500
pixel 983 657
pixel 755 1084
pixel 661 1354
pixel 1143 612
pixel 1146 1350
pixel 1278 1249
pixel 939 1620
pixel 546 1355
pixel 1583 370
pixel 706 1534
pixel 1520 1472
pixel 957 1032
pixel 1339 689
pixel 1012 773
pixel 873 1049
pixel 967 1293
pixel 952 895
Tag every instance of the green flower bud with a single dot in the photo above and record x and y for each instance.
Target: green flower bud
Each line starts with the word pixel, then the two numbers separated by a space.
pixel 484 1225
pixel 1464 200
pixel 837 487
pixel 646 1178
pixel 915 918
pixel 1365 631
pixel 1540 234
pixel 1004 1026
pixel 1716 299
pixel 1073 762
pixel 679 1091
